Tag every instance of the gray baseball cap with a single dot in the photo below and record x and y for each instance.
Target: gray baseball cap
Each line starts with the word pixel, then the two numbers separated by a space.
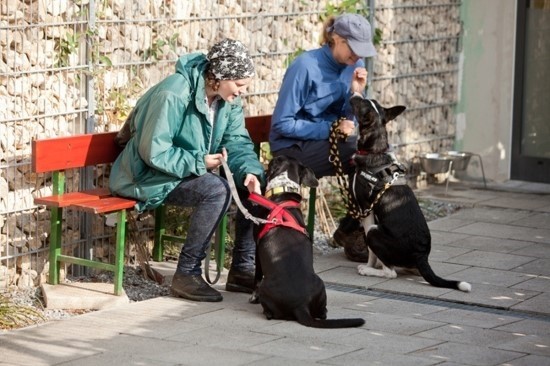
pixel 357 31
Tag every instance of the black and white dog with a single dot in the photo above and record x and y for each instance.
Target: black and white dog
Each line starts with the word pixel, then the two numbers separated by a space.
pixel 287 286
pixel 397 234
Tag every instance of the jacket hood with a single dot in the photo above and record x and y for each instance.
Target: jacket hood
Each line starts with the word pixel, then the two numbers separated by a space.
pixel 192 66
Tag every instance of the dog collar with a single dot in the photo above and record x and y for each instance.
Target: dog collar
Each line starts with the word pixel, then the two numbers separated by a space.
pixel 282 189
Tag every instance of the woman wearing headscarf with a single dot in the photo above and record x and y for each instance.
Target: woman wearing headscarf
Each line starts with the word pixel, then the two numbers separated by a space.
pixel 315 93
pixel 180 130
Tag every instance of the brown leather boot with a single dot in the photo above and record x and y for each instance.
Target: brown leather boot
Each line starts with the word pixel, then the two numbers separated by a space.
pixel 193 287
pixel 240 281
pixel 354 244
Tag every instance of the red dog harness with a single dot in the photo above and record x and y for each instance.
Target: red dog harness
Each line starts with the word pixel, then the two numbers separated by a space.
pixel 278 216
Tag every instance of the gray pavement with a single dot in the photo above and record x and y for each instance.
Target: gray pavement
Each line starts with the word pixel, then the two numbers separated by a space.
pixel 499 242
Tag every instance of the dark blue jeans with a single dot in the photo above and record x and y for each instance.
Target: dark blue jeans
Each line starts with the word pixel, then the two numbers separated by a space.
pixel 315 154
pixel 210 196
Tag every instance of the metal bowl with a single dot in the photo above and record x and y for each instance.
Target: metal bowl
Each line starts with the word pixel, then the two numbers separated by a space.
pixel 460 159
pixel 434 163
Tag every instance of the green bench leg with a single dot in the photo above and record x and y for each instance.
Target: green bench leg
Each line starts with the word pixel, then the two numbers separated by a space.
pixel 119 251
pixel 311 212
pixel 55 244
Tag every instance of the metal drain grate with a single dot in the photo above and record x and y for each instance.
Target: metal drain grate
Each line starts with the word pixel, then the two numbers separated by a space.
pixel 431 301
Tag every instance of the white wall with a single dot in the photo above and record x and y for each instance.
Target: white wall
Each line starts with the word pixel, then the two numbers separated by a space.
pixel 484 111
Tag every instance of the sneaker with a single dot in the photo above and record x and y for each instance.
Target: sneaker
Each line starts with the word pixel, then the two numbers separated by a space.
pixel 240 281
pixel 353 242
pixel 193 287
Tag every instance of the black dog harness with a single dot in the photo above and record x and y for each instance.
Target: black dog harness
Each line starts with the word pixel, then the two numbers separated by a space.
pixel 375 183
pixel 278 215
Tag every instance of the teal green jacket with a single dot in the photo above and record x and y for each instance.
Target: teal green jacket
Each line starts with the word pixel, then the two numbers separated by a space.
pixel 171 135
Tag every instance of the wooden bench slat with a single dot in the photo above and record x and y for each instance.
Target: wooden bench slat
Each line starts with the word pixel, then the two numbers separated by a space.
pixel 105 205
pixel 258 128
pixel 67 199
pixel 76 151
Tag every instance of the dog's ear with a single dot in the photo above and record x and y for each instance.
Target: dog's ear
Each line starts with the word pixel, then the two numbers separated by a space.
pixel 307 177
pixel 393 112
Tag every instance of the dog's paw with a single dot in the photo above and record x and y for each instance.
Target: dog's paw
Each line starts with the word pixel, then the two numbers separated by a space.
pixel 254 298
pixel 366 270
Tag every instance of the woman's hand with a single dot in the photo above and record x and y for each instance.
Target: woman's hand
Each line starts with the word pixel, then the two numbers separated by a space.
pixel 347 127
pixel 252 184
pixel 214 161
pixel 359 80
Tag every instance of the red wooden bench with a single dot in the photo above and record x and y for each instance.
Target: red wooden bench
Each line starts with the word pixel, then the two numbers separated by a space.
pixel 58 154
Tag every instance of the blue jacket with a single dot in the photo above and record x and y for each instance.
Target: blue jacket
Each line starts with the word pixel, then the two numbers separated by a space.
pixel 315 92
pixel 171 136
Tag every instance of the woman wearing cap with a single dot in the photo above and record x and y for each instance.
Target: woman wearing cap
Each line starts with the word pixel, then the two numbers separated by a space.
pixel 181 128
pixel 315 92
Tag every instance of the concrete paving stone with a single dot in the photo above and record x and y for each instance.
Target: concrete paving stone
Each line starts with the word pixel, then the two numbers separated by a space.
pixel 520 202
pixel 534 250
pixel 278 361
pixel 536 304
pixel 28 350
pixel 490 214
pixel 539 267
pixel 469 335
pixel 201 355
pixel 534 283
pixel 468 354
pixel 480 319
pixel 82 295
pixel 504 231
pixel 118 359
pixel 386 342
pixel 402 325
pixel 444 238
pixel 347 299
pixel 447 269
pixel 527 327
pixel 543 209
pixel 489 244
pixel 350 277
pixel 303 348
pixel 442 253
pixel 490 295
pixel 399 308
pixel 448 224
pixel 218 337
pixel 411 285
pixel 486 259
pixel 494 277
pixel 372 357
pixel 531 344
pixel 537 220
pixel 530 360
pixel 333 259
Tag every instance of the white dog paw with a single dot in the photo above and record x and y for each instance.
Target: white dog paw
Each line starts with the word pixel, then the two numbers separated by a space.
pixel 362 269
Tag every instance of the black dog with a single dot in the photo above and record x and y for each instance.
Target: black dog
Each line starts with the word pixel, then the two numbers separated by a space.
pixel 396 231
pixel 286 284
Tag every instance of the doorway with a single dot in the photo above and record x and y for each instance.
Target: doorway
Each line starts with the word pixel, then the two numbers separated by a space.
pixel 531 117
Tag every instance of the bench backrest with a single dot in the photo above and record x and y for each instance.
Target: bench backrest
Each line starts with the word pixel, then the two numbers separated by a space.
pixel 76 151
pixel 60 153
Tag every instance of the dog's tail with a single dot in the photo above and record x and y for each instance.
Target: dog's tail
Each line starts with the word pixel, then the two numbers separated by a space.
pixel 426 271
pixel 303 316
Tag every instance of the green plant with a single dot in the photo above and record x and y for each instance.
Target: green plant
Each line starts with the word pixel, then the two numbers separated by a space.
pixel 156 50
pixel 16 316
pixel 65 47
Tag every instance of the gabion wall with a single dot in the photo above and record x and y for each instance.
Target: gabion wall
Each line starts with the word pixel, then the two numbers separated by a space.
pixel 71 67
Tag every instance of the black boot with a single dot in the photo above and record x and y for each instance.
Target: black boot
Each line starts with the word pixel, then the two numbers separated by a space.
pixel 351 236
pixel 240 281
pixel 193 287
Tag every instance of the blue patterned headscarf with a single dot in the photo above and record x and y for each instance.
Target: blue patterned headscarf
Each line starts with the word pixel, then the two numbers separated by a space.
pixel 229 60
